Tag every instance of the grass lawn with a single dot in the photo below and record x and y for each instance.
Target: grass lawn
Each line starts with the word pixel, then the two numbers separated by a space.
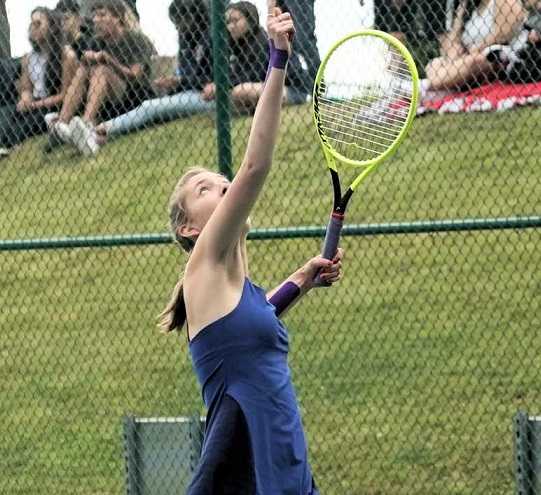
pixel 409 372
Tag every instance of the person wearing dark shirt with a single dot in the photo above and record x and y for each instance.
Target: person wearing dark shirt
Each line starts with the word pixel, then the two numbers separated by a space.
pixel 114 77
pixel 182 91
pixel 191 19
pixel 46 73
pixel 249 61
pixel 77 32
pixel 248 66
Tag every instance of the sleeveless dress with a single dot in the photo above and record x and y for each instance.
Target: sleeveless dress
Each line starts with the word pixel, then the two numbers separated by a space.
pixel 241 363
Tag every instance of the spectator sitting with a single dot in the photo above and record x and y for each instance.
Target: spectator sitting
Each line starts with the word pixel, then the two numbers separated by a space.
pixel 115 77
pixel 477 25
pixel 181 92
pixel 520 61
pixel 420 24
pixel 77 32
pixel 248 65
pixel 249 61
pixel 46 73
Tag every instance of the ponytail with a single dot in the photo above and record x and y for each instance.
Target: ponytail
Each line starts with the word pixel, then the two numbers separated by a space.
pixel 173 316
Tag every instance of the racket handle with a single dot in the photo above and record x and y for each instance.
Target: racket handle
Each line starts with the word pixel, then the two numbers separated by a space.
pixel 332 238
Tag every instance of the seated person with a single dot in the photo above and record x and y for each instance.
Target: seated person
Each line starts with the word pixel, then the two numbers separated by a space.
pixel 77 32
pixel 419 24
pixel 46 73
pixel 113 78
pixel 519 62
pixel 250 58
pixel 248 67
pixel 477 25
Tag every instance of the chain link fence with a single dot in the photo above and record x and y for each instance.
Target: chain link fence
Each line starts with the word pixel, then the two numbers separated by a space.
pixel 409 371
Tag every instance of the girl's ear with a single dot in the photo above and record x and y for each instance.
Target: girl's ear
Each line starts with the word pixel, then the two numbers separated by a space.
pixel 187 231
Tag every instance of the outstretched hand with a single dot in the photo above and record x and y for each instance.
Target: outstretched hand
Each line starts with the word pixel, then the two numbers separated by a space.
pixel 280 27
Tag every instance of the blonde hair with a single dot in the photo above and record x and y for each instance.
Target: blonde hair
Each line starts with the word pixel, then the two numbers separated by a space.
pixel 173 317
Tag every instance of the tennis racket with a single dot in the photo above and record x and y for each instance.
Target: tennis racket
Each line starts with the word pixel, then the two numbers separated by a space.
pixel 364 101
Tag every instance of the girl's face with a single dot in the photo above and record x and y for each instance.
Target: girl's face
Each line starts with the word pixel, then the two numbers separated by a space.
pixel 202 194
pixel 106 24
pixel 71 24
pixel 39 27
pixel 237 24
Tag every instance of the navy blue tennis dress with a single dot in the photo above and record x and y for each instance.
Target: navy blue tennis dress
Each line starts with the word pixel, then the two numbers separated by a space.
pixel 254 440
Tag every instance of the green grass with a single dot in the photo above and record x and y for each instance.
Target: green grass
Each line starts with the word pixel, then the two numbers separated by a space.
pixel 409 372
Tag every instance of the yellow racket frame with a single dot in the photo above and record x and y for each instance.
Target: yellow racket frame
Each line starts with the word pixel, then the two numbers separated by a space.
pixel 331 155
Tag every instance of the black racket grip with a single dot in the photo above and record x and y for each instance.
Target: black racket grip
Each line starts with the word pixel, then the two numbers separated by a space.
pixel 332 238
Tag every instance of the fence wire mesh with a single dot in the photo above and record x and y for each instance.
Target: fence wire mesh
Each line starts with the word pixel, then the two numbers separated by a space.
pixel 409 371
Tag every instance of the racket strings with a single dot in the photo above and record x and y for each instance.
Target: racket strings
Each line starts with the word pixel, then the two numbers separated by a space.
pixel 349 111
pixel 363 105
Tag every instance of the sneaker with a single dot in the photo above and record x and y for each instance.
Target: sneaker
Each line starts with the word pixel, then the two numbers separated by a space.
pixel 63 132
pixel 102 133
pixel 84 137
pixel 4 152
pixel 53 139
pixel 50 119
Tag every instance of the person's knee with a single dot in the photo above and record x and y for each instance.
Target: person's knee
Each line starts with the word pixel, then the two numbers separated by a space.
pixel 238 94
pixel 246 94
pixel 433 69
pixel 81 73
pixel 100 73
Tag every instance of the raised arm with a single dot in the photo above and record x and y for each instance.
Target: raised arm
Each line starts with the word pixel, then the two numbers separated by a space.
pixel 224 228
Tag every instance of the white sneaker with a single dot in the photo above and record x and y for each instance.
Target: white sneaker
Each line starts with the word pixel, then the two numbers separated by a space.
pixel 4 152
pixel 84 137
pixel 50 119
pixel 62 131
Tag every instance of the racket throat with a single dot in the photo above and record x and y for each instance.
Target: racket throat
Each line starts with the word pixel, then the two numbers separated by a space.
pixel 340 207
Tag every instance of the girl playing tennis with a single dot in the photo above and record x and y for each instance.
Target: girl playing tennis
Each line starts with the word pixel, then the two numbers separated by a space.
pixel 254 440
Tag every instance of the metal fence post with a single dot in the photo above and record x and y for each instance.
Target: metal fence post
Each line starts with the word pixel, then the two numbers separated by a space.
pixel 220 55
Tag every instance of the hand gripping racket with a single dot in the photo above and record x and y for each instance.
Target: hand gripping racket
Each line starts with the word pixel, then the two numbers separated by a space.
pixel 364 101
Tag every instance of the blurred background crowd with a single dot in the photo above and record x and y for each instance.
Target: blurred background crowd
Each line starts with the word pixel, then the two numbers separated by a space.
pixel 92 72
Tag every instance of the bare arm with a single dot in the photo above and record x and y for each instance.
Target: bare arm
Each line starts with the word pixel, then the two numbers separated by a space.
pixel 25 89
pixel 508 17
pixel 135 71
pixel 224 228
pixel 451 45
pixel 69 68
